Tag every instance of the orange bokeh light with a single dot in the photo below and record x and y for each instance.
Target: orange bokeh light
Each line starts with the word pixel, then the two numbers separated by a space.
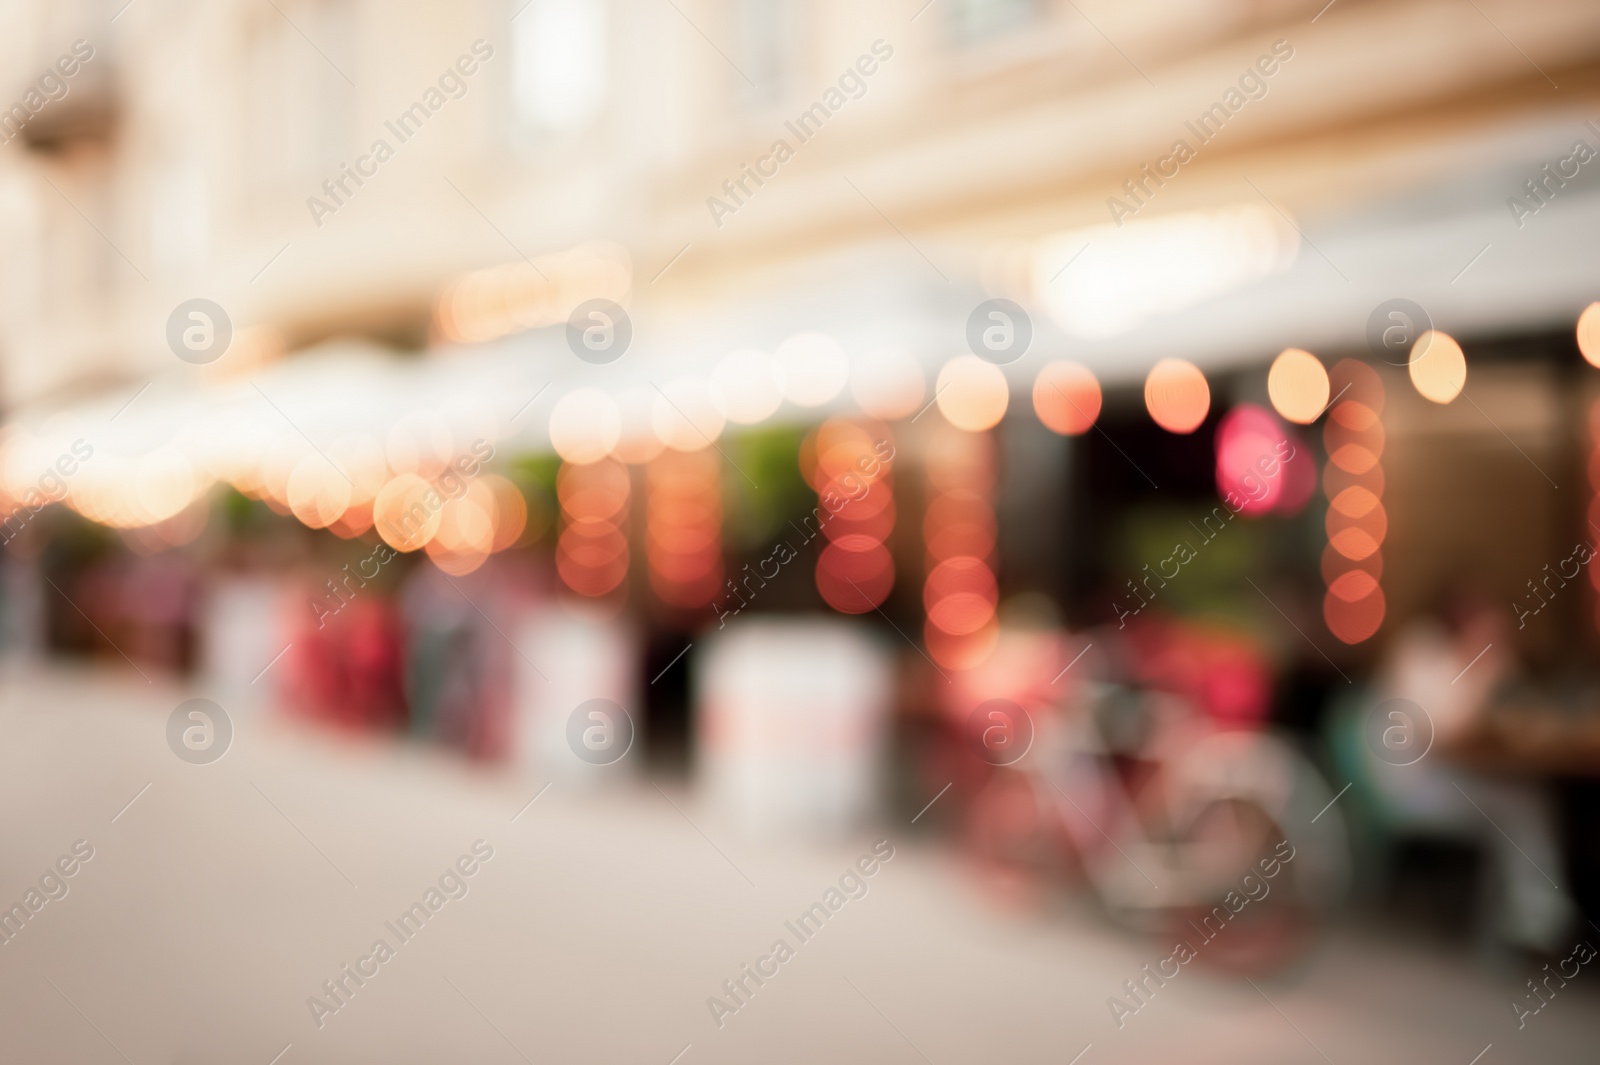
pixel 1353 458
pixel 355 520
pixel 406 512
pixel 972 394
pixel 597 490
pixel 1438 367
pixel 1298 386
pixel 1066 397
pixel 961 651
pixel 1355 544
pixel 855 576
pixel 510 511
pixel 962 575
pixel 1354 622
pixel 455 563
pixel 1354 586
pixel 1357 417
pixel 1374 523
pixel 1589 333
pixel 958 523
pixel 1177 396
pixel 1355 502
pixel 1335 565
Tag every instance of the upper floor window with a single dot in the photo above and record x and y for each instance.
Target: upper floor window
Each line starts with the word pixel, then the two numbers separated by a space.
pixel 977 20
pixel 180 211
pixel 765 32
pixel 559 65
pixel 298 90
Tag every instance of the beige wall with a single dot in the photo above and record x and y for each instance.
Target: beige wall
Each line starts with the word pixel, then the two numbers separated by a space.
pixel 227 119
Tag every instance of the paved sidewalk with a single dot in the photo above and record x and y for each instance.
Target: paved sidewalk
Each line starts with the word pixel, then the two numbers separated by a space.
pixel 223 897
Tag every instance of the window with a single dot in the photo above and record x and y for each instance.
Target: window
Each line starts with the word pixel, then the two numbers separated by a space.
pixel 764 34
pixel 977 20
pixel 180 213
pixel 559 65
pixel 333 65
pixel 80 267
pixel 269 143
pixel 302 109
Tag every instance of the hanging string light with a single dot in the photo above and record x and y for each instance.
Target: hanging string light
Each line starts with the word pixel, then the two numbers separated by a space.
pixel 683 538
pixel 855 571
pixel 592 550
pixel 1352 564
pixel 960 592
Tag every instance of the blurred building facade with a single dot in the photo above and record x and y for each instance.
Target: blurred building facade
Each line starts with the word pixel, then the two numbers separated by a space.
pixel 186 156
pixel 443 183
pixel 399 205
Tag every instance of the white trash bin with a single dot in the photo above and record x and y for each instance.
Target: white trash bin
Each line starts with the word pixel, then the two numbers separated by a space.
pixel 790 724
pixel 583 656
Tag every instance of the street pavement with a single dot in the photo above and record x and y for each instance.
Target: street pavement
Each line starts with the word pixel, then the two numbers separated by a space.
pixel 221 896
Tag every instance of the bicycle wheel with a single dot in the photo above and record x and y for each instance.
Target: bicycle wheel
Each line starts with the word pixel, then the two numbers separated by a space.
pixel 1243 922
